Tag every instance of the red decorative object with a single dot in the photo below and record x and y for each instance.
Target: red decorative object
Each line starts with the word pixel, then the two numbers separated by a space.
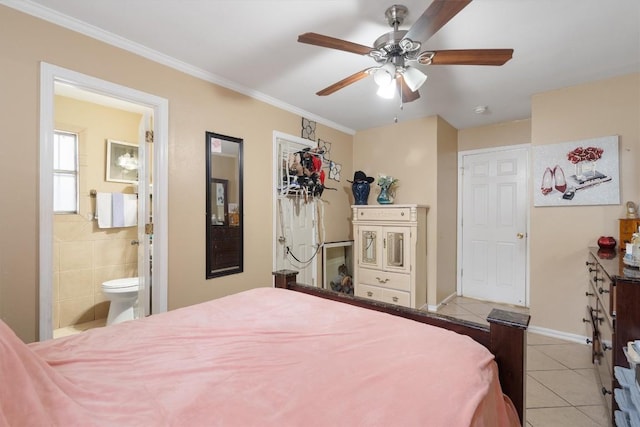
pixel 580 154
pixel 607 253
pixel 606 242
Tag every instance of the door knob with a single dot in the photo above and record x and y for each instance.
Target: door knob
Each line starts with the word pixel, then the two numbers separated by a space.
pixel 520 235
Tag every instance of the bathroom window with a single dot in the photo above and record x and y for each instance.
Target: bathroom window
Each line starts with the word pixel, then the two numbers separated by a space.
pixel 65 172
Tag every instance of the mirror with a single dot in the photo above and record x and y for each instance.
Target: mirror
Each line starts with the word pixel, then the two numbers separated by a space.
pixel 224 205
pixel 369 247
pixel 395 248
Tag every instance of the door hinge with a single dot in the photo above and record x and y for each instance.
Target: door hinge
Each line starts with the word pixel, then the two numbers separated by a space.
pixel 148 228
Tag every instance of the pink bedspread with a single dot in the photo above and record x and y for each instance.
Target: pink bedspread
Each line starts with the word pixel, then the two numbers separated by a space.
pixel 264 357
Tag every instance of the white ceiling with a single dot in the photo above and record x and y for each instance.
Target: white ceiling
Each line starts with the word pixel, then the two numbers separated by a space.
pixel 250 46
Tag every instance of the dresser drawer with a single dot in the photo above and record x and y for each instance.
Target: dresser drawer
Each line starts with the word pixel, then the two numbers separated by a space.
pixel 388 214
pixel 602 287
pixel 605 335
pixel 605 376
pixel 396 297
pixel 390 296
pixel 385 279
pixel 369 292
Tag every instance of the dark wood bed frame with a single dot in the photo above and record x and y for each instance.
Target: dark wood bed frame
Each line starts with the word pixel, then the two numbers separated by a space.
pixel 505 337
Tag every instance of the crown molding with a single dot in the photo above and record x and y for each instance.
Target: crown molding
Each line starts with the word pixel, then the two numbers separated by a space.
pixel 57 18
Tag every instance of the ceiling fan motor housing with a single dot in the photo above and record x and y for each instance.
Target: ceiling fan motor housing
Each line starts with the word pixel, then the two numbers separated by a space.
pixel 395 15
pixel 390 42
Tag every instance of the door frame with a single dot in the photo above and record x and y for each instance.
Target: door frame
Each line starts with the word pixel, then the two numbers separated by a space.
pixel 461 155
pixel 274 196
pixel 49 75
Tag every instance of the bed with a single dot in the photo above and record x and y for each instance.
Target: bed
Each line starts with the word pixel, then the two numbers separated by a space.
pixel 263 357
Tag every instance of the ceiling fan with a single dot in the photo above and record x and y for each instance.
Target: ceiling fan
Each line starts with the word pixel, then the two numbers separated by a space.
pixel 396 50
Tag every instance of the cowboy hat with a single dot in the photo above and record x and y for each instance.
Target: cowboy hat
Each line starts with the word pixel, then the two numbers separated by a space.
pixel 360 176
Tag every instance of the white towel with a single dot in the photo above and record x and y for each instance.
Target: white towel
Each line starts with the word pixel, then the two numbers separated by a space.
pixel 103 210
pixel 117 210
pixel 130 205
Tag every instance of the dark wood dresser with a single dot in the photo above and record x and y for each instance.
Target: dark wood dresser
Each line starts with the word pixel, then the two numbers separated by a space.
pixel 226 245
pixel 613 316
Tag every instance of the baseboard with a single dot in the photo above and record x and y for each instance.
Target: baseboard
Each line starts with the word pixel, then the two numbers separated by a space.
pixel 580 339
pixel 443 302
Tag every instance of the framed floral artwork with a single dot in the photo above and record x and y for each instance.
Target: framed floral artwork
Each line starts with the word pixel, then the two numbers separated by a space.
pixel 122 162
pixel 585 172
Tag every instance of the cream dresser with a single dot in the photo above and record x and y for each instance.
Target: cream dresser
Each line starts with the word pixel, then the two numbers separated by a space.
pixel 391 246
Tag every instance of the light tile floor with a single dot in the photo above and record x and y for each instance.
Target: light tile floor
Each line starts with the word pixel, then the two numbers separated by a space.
pixel 562 383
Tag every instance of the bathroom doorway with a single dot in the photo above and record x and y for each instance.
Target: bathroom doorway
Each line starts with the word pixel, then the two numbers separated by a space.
pixel 91 254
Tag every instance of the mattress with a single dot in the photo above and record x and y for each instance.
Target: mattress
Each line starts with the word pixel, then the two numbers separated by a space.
pixel 263 357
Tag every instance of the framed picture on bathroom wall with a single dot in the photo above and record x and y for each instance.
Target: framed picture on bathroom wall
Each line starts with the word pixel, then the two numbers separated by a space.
pixel 122 162
pixel 577 173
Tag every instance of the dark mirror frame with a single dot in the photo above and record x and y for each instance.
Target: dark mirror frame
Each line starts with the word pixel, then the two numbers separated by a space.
pixel 225 237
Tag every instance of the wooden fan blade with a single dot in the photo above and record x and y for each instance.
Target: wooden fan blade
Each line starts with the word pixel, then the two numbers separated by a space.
pixel 407 94
pixel 437 14
pixel 333 43
pixel 344 82
pixel 472 57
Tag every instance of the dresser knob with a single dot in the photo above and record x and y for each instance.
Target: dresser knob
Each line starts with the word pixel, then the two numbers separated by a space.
pixel 603 291
pixel 395 299
pixel 588 263
pixel 589 341
pixel 586 321
pixel 589 294
pixel 606 347
pixel 605 391
pixel 382 281
pixel 369 293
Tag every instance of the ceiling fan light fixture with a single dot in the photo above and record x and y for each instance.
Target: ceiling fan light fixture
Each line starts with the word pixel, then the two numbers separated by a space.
pixel 414 78
pixel 385 74
pixel 387 91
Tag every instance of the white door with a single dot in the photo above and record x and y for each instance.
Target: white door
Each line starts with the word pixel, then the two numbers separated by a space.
pixel 494 226
pixel 297 245
pixel 296 216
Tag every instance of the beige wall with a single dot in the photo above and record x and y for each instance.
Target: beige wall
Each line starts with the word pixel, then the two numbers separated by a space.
pixel 505 134
pixel 422 155
pixel 447 211
pixel 338 197
pixel 559 235
pixel 84 255
pixel 195 106
pixel 496 135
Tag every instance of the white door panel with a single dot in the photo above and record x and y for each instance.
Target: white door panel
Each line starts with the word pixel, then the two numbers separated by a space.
pixel 494 211
pixel 296 223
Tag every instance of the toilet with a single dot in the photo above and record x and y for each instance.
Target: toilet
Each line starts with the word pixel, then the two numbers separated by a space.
pixel 123 294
